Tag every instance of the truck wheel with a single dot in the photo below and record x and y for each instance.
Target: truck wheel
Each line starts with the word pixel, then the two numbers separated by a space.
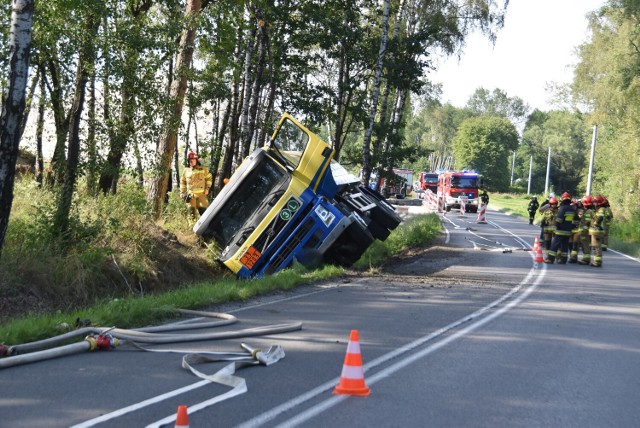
pixel 378 232
pixel 350 246
pixel 384 217
pixel 447 208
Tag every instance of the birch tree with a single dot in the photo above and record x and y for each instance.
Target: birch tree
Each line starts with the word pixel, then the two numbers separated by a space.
pixel 13 103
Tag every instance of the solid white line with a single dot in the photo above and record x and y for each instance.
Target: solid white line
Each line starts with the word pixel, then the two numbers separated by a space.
pixel 319 408
pixel 140 405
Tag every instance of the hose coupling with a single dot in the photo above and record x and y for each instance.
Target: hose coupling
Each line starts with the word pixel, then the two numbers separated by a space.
pixel 104 342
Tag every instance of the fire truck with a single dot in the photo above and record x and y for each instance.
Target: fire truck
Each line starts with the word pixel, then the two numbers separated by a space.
pixel 398 186
pixel 290 201
pixel 457 187
pixel 429 181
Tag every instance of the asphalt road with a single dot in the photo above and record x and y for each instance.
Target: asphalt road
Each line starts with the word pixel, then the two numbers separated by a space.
pixel 470 332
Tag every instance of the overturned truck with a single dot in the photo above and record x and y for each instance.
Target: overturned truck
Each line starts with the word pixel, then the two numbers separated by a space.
pixel 290 201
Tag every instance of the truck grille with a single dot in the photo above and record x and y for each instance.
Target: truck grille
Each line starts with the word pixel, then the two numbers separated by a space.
pixel 278 231
pixel 291 244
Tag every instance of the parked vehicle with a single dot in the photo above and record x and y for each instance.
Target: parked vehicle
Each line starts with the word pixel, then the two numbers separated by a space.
pixel 429 181
pixel 399 186
pixel 289 201
pixel 457 187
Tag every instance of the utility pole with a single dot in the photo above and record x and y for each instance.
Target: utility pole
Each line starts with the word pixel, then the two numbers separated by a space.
pixel 513 166
pixel 593 155
pixel 530 169
pixel 546 183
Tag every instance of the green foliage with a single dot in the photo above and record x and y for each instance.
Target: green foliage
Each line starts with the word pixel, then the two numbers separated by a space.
pixel 136 311
pixel 498 103
pixel 607 84
pixel 417 231
pixel 485 143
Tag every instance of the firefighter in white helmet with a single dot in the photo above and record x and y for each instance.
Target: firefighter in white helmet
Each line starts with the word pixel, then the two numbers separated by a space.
pixel 195 184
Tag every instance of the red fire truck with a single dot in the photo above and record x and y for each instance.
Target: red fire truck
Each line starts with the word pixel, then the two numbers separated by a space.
pixel 456 187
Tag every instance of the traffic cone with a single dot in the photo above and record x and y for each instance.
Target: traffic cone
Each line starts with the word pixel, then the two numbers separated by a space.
pixel 537 247
pixel 182 419
pixel 352 378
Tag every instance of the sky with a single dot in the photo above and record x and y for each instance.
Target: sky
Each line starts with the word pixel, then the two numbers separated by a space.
pixel 535 47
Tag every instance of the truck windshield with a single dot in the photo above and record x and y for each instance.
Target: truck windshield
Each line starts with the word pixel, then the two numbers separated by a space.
pixel 431 179
pixel 464 182
pixel 242 203
pixel 290 142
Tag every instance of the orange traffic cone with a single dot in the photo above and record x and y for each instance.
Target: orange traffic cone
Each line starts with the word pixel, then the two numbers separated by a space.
pixel 352 378
pixel 182 419
pixel 537 247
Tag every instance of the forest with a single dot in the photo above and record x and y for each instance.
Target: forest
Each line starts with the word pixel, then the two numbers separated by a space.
pixel 103 100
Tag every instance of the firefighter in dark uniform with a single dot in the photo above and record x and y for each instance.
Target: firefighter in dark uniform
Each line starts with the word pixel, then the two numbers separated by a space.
pixel 532 208
pixel 484 197
pixel 565 220
pixel 596 230
pixel 584 221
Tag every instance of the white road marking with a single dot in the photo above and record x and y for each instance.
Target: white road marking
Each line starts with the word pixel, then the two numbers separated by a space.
pixel 536 274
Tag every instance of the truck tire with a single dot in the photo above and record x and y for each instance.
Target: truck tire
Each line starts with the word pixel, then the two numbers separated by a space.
pixel 377 231
pixel 350 246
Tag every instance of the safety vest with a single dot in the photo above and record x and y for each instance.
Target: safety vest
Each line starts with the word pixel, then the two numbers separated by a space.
pixel 596 222
pixel 565 220
pixel 549 218
pixel 195 180
pixel 585 216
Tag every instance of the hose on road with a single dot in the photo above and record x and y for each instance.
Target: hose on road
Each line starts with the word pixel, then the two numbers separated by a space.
pixel 104 338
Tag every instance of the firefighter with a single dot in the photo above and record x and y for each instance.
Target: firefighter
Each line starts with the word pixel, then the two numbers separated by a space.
pixel 584 221
pixel 608 218
pixel 484 197
pixel 195 184
pixel 574 240
pixel 565 221
pixel 596 230
pixel 548 223
pixel 532 208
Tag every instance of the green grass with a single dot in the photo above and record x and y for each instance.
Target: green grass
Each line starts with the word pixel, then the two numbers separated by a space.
pixel 136 312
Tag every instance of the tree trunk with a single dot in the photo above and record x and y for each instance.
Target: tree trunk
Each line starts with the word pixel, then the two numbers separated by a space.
pixel 92 152
pixel 13 104
pixel 263 39
pixel 40 128
pixel 366 144
pixel 160 176
pixel 247 87
pixel 27 108
pixel 384 120
pixel 124 130
pixel 86 62
pixel 215 164
pixel 61 121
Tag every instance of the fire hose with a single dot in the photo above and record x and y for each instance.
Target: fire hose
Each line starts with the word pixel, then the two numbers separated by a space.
pixel 105 338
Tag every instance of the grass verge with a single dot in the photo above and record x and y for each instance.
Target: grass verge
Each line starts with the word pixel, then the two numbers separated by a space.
pixel 136 312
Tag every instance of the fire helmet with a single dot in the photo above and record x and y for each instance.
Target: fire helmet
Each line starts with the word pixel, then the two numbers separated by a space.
pixel 598 200
pixel 192 155
pixel 553 201
pixel 587 200
pixel 566 196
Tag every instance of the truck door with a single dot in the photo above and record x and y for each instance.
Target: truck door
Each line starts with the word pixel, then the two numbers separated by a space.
pixel 306 155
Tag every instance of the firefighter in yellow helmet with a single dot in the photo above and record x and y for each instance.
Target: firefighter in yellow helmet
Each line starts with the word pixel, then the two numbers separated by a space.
pixel 195 184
